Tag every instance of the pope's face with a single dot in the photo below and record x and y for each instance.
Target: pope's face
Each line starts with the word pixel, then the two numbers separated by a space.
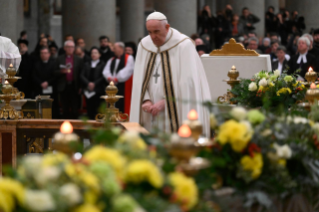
pixel 158 31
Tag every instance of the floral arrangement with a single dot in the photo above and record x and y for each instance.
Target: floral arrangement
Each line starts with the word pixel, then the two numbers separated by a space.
pixel 121 176
pixel 262 155
pixel 269 88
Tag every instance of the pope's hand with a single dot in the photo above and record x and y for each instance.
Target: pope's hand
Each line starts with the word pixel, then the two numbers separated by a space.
pixel 158 107
pixel 146 106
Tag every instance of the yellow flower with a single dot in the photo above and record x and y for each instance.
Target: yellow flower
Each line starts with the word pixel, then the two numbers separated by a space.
pixel 9 191
pixel 90 180
pixel 237 134
pixel 185 189
pixel 282 162
pixel 54 159
pixel 254 164
pixel 140 171
pixel 86 208
pixel 271 84
pixel 283 91
pixel 134 139
pixel 90 197
pixel 110 156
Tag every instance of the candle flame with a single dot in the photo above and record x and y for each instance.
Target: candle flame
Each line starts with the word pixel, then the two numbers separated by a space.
pixel 313 86
pixel 66 127
pixel 310 69
pixel 112 83
pixel 11 66
pixel 233 67
pixel 192 115
pixel 6 82
pixel 184 131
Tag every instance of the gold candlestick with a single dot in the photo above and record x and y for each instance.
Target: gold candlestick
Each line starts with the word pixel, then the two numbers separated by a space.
pixel 312 94
pixel 311 77
pixel 112 113
pixel 63 138
pixel 233 74
pixel 195 126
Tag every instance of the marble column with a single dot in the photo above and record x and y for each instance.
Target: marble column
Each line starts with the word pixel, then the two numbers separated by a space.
pixel 89 19
pixel 256 7
pixel 181 14
pixel 307 9
pixel 9 18
pixel 132 20
pixel 20 17
pixel 44 16
pixel 274 3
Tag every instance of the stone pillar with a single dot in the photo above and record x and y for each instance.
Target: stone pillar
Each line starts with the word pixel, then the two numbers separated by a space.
pixel 89 19
pixel 9 19
pixel 307 9
pixel 44 16
pixel 274 3
pixel 181 14
pixel 256 7
pixel 132 20
pixel 20 17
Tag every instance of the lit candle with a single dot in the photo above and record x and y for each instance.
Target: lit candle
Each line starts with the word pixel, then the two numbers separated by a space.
pixel 310 69
pixel 112 83
pixel 6 82
pixel 313 86
pixel 11 66
pixel 66 127
pixel 233 67
pixel 192 115
pixel 184 131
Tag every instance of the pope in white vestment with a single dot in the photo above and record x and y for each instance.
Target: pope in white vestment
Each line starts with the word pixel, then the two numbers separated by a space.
pixel 170 74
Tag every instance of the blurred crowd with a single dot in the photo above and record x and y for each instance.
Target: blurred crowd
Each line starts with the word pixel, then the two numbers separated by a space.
pixel 285 40
pixel 76 75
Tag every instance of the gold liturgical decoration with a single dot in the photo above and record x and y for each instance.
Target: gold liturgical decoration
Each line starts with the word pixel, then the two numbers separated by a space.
pixel 112 113
pixel 233 74
pixel 233 49
pixel 312 92
pixel 9 93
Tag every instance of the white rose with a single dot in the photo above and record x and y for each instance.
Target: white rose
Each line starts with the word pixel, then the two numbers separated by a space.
pixel 239 113
pixel 252 86
pixel 39 200
pixel 277 73
pixel 213 121
pixel 71 193
pixel 300 120
pixel 283 151
pixel 315 127
pixel 263 82
pixel 47 174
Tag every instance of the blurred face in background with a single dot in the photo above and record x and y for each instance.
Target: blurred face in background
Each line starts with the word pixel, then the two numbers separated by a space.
pixel 79 52
pixel 252 45
pixel 118 50
pixel 70 37
pixel 44 55
pixel 280 55
pixel 104 43
pixel 274 47
pixel 95 54
pixel 316 37
pixel 302 47
pixel 199 41
pixel 246 13
pixel 69 48
pixel 44 42
pixel 23 48
pixel 81 43
pixel 53 51
pixel 129 50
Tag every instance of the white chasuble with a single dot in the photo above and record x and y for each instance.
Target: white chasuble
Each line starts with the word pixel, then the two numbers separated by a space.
pixel 173 72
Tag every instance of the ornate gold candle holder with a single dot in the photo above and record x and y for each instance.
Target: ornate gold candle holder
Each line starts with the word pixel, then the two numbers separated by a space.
pixel 312 94
pixel 233 74
pixel 195 126
pixel 112 113
pixel 311 76
pixel 63 138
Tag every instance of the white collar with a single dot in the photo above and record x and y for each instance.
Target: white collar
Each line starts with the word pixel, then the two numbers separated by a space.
pixel 302 57
pixel 94 63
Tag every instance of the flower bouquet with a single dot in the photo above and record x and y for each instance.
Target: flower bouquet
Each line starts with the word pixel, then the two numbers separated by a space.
pixel 269 88
pixel 264 158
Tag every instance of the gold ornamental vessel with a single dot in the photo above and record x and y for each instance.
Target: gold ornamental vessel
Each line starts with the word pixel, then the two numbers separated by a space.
pixel 233 74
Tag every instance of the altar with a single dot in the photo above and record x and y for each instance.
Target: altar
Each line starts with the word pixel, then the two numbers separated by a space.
pixel 219 62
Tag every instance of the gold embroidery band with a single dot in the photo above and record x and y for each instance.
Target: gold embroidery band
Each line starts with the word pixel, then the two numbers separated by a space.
pixel 147 78
pixel 169 92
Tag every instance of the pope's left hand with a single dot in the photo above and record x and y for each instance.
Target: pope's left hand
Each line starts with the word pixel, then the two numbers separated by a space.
pixel 158 107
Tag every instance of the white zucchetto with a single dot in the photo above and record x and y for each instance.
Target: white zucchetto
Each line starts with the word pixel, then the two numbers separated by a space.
pixel 156 16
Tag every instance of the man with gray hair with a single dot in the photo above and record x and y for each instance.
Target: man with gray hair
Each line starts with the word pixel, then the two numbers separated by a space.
pixel 119 69
pixel 312 49
pixel 300 63
pixel 67 69
pixel 253 44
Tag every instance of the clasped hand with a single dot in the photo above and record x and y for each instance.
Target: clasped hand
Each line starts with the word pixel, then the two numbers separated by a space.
pixel 153 109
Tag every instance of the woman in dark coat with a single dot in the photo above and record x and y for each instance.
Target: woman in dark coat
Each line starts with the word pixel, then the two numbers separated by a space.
pixel 93 82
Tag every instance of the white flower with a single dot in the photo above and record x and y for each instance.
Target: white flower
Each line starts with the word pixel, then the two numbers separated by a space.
pixel 248 126
pixel 263 82
pixel 283 151
pixel 213 121
pixel 257 76
pixel 71 193
pixel 39 200
pixel 277 73
pixel 47 174
pixel 252 86
pixel 315 127
pixel 239 113
pixel 266 132
pixel 300 120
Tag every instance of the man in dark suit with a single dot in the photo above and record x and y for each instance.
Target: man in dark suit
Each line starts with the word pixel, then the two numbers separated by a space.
pixel 105 49
pixel 281 62
pixel 68 68
pixel 303 60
